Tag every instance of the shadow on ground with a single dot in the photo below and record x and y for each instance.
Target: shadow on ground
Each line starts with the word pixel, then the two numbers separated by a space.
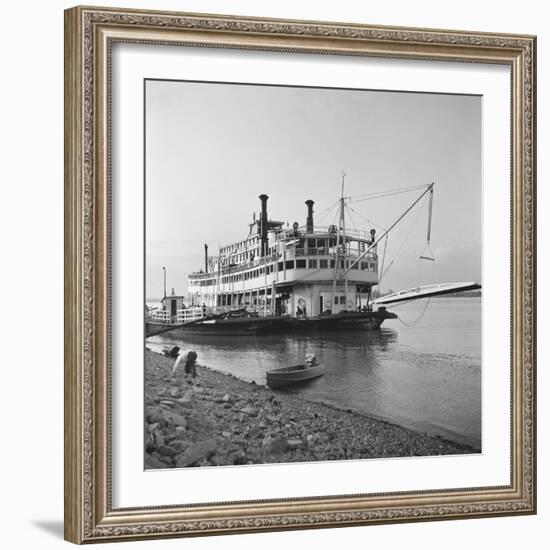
pixel 53 527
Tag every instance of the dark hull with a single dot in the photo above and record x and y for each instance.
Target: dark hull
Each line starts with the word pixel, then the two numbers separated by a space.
pixel 257 325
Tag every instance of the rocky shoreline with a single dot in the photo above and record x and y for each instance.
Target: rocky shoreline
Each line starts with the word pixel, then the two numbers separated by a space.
pixel 220 420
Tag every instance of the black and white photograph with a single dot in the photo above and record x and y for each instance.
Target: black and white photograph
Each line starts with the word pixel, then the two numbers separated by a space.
pixel 313 274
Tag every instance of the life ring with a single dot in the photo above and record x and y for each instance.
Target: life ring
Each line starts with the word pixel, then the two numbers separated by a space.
pixel 350 304
pixel 301 302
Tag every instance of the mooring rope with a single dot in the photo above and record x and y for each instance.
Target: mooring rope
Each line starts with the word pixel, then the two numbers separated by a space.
pixel 263 371
pixel 416 322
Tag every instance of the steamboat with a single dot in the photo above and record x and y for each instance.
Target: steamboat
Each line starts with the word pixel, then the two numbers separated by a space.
pixel 298 278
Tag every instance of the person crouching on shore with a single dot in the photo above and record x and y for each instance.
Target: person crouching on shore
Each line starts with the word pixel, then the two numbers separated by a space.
pixel 189 360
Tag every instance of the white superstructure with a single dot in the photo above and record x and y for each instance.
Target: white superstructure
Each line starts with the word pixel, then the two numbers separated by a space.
pixel 302 271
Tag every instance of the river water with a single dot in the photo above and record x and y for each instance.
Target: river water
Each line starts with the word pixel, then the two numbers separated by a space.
pixel 422 371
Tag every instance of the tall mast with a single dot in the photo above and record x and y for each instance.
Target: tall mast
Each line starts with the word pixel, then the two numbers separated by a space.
pixel 341 228
pixel 343 221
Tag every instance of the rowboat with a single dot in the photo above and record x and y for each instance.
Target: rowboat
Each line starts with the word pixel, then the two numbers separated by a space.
pixel 288 376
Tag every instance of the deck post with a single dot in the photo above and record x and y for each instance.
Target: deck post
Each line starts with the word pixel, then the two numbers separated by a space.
pixel 273 298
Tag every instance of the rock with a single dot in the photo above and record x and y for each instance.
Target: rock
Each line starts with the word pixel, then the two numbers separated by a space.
pixel 226 398
pixel 197 452
pixel 226 434
pixel 149 398
pixel 180 430
pixel 175 392
pixel 167 460
pixel 187 399
pixel 152 462
pixel 250 411
pixel 180 445
pixel 219 460
pixel 278 446
pixel 167 403
pixel 149 445
pixel 158 439
pixel 227 405
pixel 294 443
pixel 240 459
pixel 155 415
pixel 254 433
pixel 167 451
pixel 178 420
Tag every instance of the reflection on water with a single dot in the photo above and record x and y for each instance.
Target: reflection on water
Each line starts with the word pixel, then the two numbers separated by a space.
pixel 425 377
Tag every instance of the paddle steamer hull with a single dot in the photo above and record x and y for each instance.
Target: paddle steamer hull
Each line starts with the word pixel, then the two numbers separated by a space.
pixel 282 324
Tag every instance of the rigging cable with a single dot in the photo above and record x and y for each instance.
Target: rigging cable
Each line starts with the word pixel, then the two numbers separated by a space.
pixel 427 248
pixel 366 219
pixel 348 208
pixel 409 232
pixel 326 211
pixel 392 191
pixel 263 371
pixel 383 259
pixel 416 321
pixel 381 195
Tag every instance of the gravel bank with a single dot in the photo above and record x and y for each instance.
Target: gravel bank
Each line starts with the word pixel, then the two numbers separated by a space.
pixel 221 420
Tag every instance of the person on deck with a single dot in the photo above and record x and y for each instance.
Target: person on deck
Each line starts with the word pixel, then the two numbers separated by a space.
pixel 311 360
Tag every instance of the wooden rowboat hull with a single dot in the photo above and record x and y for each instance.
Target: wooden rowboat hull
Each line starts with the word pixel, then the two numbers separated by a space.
pixel 289 376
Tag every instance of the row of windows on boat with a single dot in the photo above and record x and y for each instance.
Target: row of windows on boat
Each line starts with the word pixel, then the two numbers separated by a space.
pixel 289 264
pixel 241 253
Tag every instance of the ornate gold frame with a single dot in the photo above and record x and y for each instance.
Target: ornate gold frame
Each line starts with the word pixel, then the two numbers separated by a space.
pixel 89 34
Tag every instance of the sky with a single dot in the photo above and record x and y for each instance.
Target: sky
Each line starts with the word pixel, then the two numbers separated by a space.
pixel 212 148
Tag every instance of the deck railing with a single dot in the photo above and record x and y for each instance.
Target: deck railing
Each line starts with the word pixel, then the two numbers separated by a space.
pixel 195 313
pixel 289 254
pixel 190 314
pixel 159 316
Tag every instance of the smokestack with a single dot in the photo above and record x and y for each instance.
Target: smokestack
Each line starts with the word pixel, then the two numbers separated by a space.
pixel 263 226
pixel 309 221
pixel 205 258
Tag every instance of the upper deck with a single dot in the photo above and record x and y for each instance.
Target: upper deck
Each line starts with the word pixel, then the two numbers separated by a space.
pixel 296 254
pixel 274 255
